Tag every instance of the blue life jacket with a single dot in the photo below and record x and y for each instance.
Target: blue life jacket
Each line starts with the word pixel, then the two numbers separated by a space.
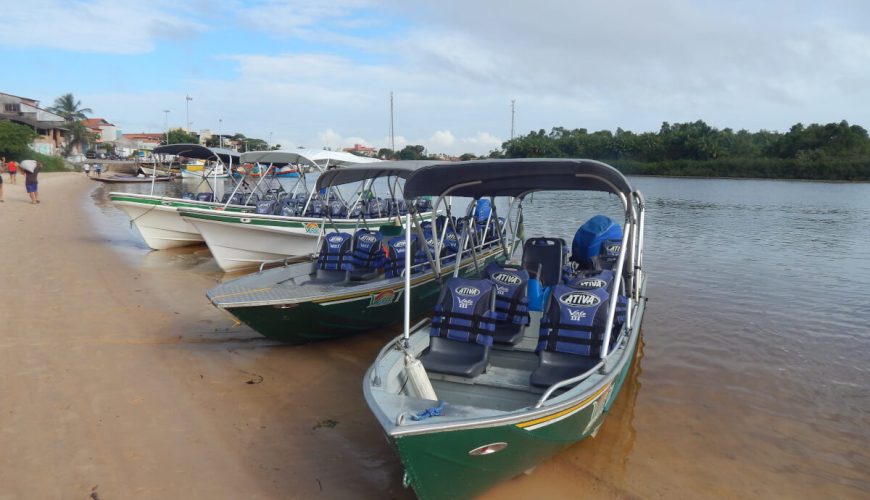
pixel 188 196
pixel 205 197
pixel 423 205
pixel 368 252
pixel 464 311
pixel 396 256
pixel 335 252
pixel 337 209
pixel 590 280
pixel 574 321
pixel 511 301
pixel 609 254
pixel 376 208
pixel 286 208
pixel 589 237
pixel 315 209
pixel 266 206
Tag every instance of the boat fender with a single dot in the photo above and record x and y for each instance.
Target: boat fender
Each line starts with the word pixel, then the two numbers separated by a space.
pixel 418 382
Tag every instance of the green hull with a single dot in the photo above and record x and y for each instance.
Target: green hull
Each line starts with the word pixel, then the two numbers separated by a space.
pixel 438 464
pixel 336 317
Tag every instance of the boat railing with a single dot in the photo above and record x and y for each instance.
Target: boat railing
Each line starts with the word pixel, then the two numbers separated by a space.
pixel 573 380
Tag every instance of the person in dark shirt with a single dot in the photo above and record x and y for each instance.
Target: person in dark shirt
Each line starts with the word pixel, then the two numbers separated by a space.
pixel 31 184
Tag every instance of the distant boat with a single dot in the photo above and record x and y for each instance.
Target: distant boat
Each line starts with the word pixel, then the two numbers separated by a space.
pixel 118 179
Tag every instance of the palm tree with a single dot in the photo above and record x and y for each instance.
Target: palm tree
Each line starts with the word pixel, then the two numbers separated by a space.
pixel 68 107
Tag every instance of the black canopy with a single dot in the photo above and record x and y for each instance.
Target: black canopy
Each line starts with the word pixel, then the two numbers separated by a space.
pixel 198 152
pixel 360 172
pixel 514 177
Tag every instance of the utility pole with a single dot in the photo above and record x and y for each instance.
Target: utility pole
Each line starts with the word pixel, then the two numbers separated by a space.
pixel 270 141
pixel 392 130
pixel 513 114
pixel 165 126
pixel 187 103
pixel 220 134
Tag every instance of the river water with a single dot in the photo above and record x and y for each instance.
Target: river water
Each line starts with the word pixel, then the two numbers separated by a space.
pixel 753 376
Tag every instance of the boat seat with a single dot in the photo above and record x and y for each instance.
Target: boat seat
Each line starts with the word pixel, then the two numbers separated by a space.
pixel 544 258
pixel 335 252
pixel 572 331
pixel 462 325
pixel 511 303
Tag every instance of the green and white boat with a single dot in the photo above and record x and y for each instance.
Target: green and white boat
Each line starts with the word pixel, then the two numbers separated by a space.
pixel 276 230
pixel 505 376
pixel 316 300
pixel 156 217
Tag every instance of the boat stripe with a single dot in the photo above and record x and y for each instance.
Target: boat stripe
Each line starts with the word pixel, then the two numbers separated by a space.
pixel 579 406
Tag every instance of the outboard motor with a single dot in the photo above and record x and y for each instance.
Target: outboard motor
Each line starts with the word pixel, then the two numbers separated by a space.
pixel 590 237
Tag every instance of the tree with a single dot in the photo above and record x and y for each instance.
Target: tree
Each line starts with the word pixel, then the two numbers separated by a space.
pixel 78 134
pixel 15 139
pixel 412 153
pixel 386 154
pixel 467 156
pixel 68 107
pixel 179 136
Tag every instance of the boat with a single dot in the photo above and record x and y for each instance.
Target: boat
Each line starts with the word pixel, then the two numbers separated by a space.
pixel 505 375
pixel 280 227
pixel 260 169
pixel 156 217
pixel 353 285
pixel 130 179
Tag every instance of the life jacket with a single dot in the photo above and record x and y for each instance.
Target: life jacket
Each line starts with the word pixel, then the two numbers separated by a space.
pixel 368 252
pixel 287 208
pixel 395 263
pixel 590 280
pixel 511 302
pixel 315 208
pixel 376 208
pixel 205 197
pixel 266 206
pixel 609 254
pixel 464 312
pixel 423 205
pixel 337 209
pixel 574 321
pixel 188 196
pixel 335 252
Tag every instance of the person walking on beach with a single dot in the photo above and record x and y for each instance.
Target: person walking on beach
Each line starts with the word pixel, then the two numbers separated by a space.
pixel 1 180
pixel 31 184
pixel 98 168
pixel 86 168
pixel 12 168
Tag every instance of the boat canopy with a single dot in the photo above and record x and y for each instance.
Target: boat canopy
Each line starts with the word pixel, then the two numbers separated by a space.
pixel 198 152
pixel 356 173
pixel 310 156
pixel 515 177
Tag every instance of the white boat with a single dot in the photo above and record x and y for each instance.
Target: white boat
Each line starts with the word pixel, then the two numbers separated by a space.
pixel 156 218
pixel 245 240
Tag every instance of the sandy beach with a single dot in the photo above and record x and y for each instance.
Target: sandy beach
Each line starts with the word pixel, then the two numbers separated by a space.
pixel 129 384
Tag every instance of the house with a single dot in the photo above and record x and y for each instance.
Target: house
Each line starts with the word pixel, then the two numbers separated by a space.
pixel 52 134
pixel 129 143
pixel 359 149
pixel 102 129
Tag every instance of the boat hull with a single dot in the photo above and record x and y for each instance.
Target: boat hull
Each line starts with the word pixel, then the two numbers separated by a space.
pixel 157 219
pixel 342 315
pixel 244 241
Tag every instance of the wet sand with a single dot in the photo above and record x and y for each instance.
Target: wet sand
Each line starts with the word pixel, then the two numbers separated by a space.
pixel 119 378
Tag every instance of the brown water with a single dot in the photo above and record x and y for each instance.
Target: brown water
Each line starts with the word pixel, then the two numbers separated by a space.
pixel 753 376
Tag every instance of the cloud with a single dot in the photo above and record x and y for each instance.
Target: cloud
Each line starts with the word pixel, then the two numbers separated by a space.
pixel 321 74
pixel 101 26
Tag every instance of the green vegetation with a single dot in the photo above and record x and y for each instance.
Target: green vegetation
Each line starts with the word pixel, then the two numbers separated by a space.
pixel 15 140
pixel 835 151
pixel 179 136
pixel 49 163
pixel 68 107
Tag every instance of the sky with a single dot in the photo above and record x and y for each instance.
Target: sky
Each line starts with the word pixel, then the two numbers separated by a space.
pixel 320 73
